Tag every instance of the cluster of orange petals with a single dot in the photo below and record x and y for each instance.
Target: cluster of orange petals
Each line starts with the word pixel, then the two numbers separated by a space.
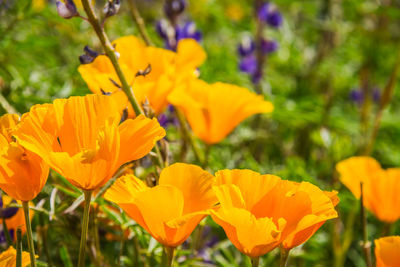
pixel 214 110
pixel 168 70
pixel 387 251
pixel 22 173
pixel 171 210
pixel 260 212
pixel 82 138
pixel 380 187
pixel 9 258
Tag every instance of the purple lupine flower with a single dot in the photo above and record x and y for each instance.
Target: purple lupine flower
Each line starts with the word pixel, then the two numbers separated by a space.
pixel 357 96
pixel 274 19
pixel 188 30
pixel 248 64
pixel 246 46
pixel 162 28
pixel 376 94
pixel 168 117
pixel 256 76
pixel 268 46
pixel 263 12
pixel 174 7
pixel 6 212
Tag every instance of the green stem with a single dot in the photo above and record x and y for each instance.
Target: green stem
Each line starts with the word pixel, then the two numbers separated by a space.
pixel 169 256
pixel 139 22
pixel 85 224
pixel 110 52
pixel 365 244
pixel 284 257
pixel 25 205
pixel 255 261
pixel 189 138
pixel 6 233
pixel 19 248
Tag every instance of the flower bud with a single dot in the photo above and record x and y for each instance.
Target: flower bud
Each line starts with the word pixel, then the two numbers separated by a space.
pixel 246 46
pixel 174 7
pixel 66 10
pixel 111 8
pixel 268 46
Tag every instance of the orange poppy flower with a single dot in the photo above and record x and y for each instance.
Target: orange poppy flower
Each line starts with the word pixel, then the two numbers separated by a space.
pixel 9 258
pixel 22 173
pixel 387 251
pixel 214 110
pixel 80 138
pixel 380 187
pixel 167 70
pixel 260 212
pixel 171 210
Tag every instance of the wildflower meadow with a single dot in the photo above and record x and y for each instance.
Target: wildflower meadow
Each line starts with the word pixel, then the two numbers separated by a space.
pixel 205 133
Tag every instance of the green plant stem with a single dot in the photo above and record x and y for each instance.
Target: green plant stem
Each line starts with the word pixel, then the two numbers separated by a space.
pixel 85 224
pixel 6 233
pixel 255 261
pixel 139 22
pixel 110 52
pixel 189 138
pixel 365 244
pixel 284 257
pixel 169 256
pixel 386 98
pixel 25 205
pixel 19 248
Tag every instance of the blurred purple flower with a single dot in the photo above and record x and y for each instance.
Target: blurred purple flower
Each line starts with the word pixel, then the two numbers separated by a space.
pixel 248 64
pixel 66 10
pixel 357 96
pixel 376 94
pixel 256 76
pixel 263 12
pixel 274 19
pixel 246 46
pixel 5 212
pixel 174 7
pixel 168 117
pixel 188 30
pixel 269 46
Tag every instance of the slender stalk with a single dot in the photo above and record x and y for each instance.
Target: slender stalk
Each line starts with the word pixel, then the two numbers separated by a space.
pixel 96 236
pixel 25 206
pixel 258 42
pixel 187 136
pixel 139 22
pixel 85 224
pixel 255 261
pixel 19 248
pixel 110 52
pixel 169 256
pixel 384 102
pixel 6 233
pixel 366 245
pixel 284 257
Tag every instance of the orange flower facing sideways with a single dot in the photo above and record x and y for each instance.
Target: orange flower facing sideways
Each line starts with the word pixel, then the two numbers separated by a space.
pixel 260 212
pixel 171 210
pixel 8 258
pixel 380 186
pixel 81 138
pixel 22 173
pixel 167 70
pixel 387 251
pixel 214 110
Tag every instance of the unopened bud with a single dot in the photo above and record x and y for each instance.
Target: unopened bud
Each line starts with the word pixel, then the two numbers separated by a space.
pixel 66 10
pixel 111 8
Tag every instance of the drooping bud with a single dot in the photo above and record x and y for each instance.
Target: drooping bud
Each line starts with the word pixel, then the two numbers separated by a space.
pixel 268 46
pixel 246 46
pixel 174 7
pixel 111 8
pixel 66 10
pixel 89 56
